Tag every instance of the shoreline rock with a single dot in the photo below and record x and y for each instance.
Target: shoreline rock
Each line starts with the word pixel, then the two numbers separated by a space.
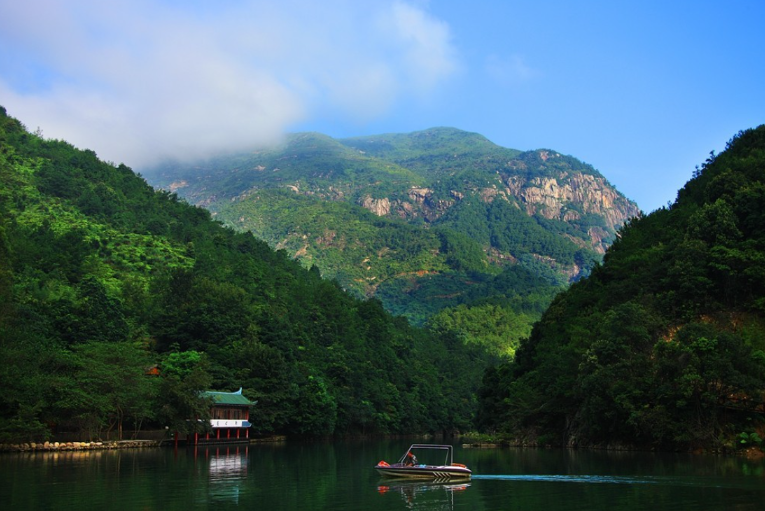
pixel 77 446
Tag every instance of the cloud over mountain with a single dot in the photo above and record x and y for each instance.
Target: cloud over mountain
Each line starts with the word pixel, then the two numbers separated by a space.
pixel 142 80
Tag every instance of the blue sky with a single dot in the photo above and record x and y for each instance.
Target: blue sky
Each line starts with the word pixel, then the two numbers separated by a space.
pixel 641 90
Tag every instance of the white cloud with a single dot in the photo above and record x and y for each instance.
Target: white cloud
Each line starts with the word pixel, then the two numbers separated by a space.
pixel 144 79
pixel 425 42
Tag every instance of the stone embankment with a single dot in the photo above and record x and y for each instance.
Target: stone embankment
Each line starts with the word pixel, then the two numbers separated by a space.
pixel 482 445
pixel 77 446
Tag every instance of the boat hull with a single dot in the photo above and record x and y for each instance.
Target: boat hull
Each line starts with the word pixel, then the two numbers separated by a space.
pixel 425 472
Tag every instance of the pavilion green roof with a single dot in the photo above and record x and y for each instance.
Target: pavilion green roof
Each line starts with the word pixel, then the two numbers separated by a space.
pixel 228 398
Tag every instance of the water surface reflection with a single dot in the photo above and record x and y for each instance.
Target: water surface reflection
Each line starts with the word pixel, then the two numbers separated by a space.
pixel 423 495
pixel 227 473
pixel 340 476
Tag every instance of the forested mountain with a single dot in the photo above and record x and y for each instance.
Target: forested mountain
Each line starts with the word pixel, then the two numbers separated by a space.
pixel 440 225
pixel 664 343
pixel 102 277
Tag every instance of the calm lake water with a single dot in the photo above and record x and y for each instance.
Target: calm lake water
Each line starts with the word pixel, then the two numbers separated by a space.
pixel 339 476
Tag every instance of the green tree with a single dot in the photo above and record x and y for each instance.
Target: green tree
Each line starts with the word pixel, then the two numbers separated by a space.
pixel 112 378
pixel 182 407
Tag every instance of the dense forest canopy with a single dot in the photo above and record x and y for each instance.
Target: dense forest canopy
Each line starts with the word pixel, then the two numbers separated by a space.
pixel 664 343
pixel 103 277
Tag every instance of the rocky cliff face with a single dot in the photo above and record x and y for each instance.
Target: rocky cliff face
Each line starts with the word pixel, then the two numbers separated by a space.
pixel 569 196
pixel 565 196
pixel 380 207
pixel 552 197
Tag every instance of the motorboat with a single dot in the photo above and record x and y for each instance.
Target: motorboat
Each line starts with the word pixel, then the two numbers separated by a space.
pixel 410 466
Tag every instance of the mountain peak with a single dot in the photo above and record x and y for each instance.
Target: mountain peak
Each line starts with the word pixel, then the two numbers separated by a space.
pixel 432 141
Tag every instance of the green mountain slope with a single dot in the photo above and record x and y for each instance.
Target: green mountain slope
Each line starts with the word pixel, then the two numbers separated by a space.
pixel 102 277
pixel 664 344
pixel 415 272
pixel 451 211
pixel 308 163
pixel 434 152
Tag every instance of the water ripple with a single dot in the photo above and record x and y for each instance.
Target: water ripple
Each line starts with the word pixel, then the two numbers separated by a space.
pixel 604 479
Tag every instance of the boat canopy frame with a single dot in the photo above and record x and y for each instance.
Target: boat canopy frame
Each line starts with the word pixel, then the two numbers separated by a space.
pixel 448 448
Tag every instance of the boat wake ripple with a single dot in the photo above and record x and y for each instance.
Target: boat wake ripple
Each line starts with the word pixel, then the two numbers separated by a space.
pixel 603 479
pixel 571 479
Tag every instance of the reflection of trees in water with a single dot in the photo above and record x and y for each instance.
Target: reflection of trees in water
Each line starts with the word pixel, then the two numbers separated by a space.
pixel 424 495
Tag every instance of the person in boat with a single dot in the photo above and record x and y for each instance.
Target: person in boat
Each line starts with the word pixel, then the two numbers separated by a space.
pixel 411 459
